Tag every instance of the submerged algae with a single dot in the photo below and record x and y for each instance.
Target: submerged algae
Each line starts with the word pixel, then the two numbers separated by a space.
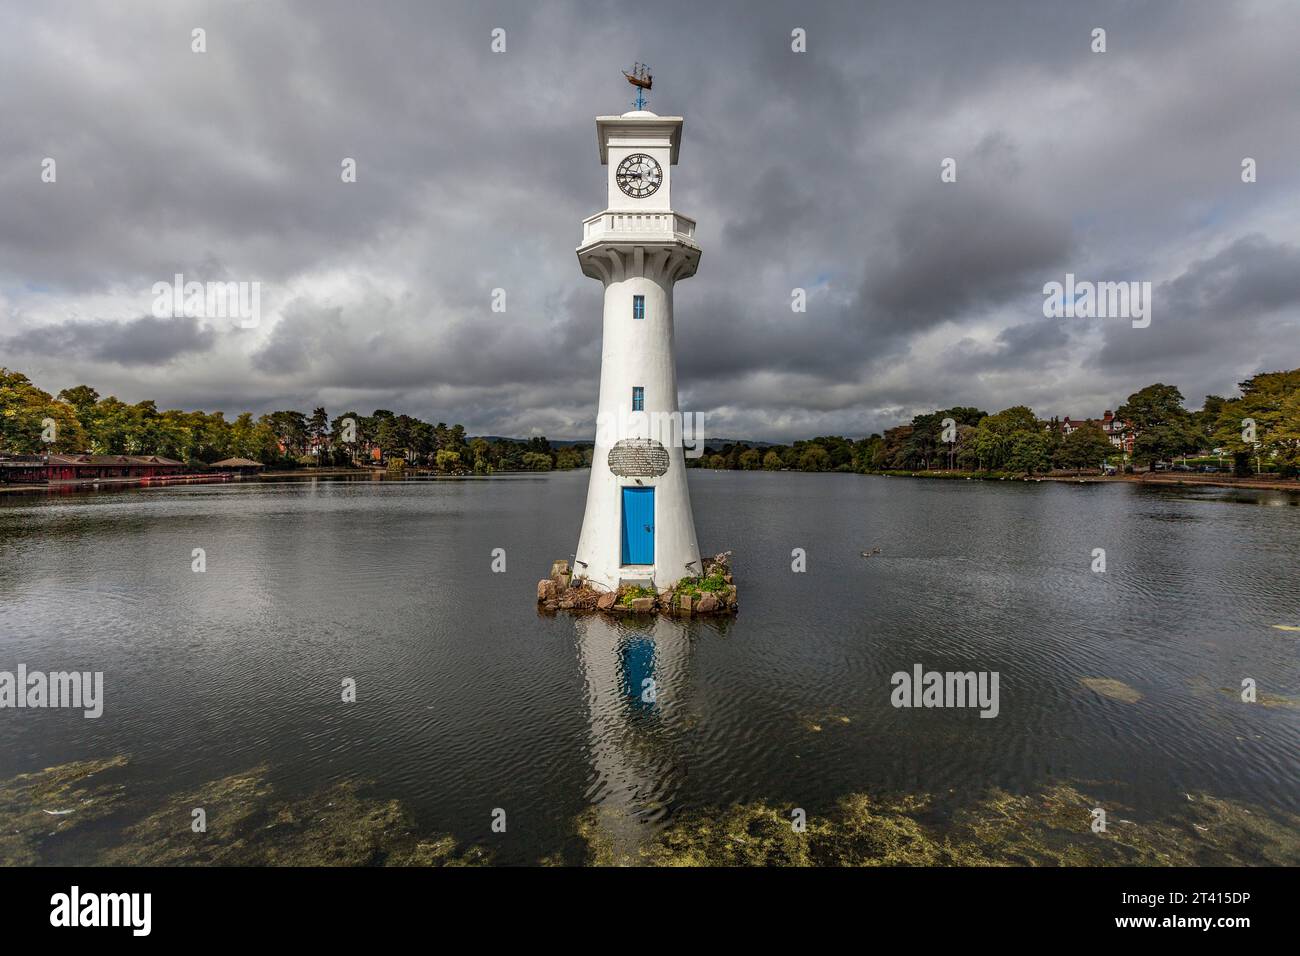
pixel 1114 689
pixel 1265 698
pixel 52 804
pixel 1278 700
pixel 246 823
pixel 249 823
pixel 1051 828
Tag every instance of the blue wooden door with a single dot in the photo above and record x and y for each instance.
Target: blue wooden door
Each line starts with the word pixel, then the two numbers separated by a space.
pixel 638 537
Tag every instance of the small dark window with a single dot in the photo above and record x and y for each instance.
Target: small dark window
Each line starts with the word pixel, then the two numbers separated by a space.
pixel 638 307
pixel 638 398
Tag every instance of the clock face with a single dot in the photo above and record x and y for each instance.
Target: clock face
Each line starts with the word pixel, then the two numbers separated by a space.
pixel 639 175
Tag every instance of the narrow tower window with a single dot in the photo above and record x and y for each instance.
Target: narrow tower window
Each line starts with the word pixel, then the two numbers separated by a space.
pixel 638 398
pixel 638 307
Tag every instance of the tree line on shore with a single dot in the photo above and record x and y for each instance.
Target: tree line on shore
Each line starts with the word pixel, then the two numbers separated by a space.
pixel 83 421
pixel 1258 430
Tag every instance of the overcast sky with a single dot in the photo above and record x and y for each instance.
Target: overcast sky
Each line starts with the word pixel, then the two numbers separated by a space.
pixel 818 170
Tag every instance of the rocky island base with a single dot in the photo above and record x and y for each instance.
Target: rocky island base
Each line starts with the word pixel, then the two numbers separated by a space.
pixel 713 592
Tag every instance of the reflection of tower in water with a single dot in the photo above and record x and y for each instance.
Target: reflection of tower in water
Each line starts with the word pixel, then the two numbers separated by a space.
pixel 636 658
pixel 637 676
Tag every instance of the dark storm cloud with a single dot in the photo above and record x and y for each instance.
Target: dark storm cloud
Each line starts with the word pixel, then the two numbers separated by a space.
pixel 1239 310
pixel 134 342
pixel 1032 340
pixel 1252 276
pixel 1038 343
pixel 961 253
pixel 817 171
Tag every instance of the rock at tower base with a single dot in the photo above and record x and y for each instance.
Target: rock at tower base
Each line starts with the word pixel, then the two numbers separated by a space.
pixel 713 592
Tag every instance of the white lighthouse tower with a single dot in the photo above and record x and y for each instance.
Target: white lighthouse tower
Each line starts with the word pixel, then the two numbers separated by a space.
pixel 638 527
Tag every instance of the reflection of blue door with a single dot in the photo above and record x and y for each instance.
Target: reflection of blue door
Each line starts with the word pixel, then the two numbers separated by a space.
pixel 638 533
pixel 636 658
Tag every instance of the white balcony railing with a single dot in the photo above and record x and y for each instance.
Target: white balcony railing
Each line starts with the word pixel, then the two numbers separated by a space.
pixel 664 225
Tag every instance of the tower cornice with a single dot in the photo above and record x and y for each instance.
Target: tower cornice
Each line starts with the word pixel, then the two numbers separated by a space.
pixel 664 263
pixel 637 130
pixel 658 245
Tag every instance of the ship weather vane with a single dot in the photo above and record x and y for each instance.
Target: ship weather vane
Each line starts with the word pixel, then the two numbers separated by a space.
pixel 640 78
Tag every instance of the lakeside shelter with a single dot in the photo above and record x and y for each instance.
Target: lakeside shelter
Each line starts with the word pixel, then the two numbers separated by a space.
pixel 51 469
pixel 240 466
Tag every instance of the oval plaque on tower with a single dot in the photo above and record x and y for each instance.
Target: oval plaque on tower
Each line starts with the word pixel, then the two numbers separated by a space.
pixel 638 458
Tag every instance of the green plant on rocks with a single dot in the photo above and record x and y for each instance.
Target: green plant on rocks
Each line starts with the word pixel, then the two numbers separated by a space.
pixel 633 592
pixel 713 583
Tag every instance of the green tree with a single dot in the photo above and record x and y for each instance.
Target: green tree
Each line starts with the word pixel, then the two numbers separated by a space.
pixel 1269 407
pixel 1030 452
pixel 537 461
pixel 447 462
pixel 318 433
pixel 347 437
pixel 250 439
pixel 920 449
pixel 290 429
pixel 963 452
pixel 1085 447
pixel 479 449
pixel 29 415
pixel 814 458
pixel 1207 419
pixel 890 453
pixel 82 398
pixel 864 453
pixel 1161 425
pixel 995 439
pixel 570 457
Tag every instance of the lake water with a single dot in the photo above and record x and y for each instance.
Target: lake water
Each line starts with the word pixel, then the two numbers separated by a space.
pixel 469 699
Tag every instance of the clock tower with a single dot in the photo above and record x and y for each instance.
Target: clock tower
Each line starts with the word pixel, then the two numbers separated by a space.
pixel 638 527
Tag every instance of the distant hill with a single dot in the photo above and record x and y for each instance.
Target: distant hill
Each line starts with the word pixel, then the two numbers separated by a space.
pixel 554 442
pixel 751 442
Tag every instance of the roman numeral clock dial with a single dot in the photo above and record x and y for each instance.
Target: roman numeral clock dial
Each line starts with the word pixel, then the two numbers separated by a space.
pixel 639 175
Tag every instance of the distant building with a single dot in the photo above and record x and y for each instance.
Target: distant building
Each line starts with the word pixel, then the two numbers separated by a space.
pixel 52 469
pixel 1118 432
pixel 1113 428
